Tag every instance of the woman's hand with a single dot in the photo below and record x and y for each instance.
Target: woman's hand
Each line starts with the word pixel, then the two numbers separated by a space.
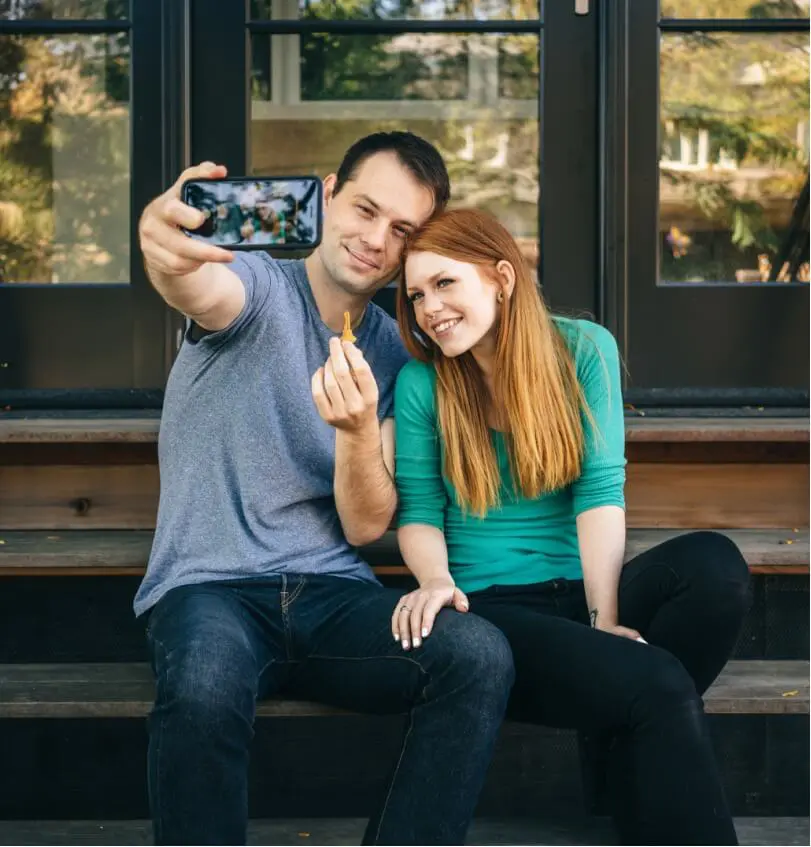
pixel 622 631
pixel 413 617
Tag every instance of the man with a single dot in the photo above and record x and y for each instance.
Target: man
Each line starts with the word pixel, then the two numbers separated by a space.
pixel 276 455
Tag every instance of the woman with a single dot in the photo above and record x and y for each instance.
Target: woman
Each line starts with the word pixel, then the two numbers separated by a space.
pixel 510 471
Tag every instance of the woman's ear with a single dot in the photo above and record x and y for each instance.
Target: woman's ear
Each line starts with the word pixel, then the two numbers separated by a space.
pixel 506 277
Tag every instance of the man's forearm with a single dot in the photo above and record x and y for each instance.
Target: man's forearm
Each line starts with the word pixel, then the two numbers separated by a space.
pixel 365 495
pixel 601 537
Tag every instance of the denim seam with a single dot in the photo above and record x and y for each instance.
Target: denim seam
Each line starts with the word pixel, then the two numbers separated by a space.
pixel 290 598
pixel 382 815
pixel 158 813
pixel 371 658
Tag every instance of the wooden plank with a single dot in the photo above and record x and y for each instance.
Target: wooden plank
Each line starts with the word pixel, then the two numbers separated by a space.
pixel 126 690
pixel 716 429
pixel 341 832
pixel 78 497
pixel 737 496
pixel 105 552
pixel 19 429
pixel 760 687
pixel 30 427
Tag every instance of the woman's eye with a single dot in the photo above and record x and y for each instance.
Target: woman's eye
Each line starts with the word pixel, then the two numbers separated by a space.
pixel 444 283
pixel 415 296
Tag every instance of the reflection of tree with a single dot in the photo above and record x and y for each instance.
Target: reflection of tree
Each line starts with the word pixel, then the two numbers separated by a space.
pixel 64 152
pixel 737 106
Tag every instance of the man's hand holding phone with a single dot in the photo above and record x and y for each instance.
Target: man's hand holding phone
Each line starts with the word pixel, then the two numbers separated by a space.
pixel 167 250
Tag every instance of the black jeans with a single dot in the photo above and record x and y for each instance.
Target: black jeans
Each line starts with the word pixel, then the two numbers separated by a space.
pixel 687 597
pixel 217 647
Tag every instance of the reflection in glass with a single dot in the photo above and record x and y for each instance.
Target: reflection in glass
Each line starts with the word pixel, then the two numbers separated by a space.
pixel 734 139
pixel 734 8
pixel 64 159
pixel 408 66
pixel 432 10
pixel 46 10
pixel 488 134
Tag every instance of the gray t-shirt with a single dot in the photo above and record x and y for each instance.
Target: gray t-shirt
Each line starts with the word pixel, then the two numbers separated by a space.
pixel 247 464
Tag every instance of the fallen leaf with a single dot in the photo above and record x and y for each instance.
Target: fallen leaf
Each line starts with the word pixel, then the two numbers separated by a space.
pixel 304 835
pixel 790 693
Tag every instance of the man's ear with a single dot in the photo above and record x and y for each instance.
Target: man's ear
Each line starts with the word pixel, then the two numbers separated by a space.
pixel 506 277
pixel 329 189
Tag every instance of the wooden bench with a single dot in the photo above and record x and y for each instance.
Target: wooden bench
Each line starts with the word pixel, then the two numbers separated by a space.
pixel 125 552
pixel 126 690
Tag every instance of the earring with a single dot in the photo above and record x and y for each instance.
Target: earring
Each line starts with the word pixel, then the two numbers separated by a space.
pixel 500 297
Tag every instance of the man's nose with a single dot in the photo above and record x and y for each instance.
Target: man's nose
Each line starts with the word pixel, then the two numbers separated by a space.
pixel 375 236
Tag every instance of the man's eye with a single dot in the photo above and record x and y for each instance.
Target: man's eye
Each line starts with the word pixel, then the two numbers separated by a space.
pixel 366 212
pixel 401 232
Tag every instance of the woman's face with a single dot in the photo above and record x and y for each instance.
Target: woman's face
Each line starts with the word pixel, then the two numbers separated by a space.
pixel 455 305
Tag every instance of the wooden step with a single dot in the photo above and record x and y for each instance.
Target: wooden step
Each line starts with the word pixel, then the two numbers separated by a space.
pixel 337 832
pixel 126 690
pixel 125 552
pixel 53 427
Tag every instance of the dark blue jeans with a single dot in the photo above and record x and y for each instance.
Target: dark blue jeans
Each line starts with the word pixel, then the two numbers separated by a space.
pixel 217 647
pixel 638 706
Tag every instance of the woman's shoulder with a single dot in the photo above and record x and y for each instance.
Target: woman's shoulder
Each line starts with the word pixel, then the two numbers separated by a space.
pixel 417 376
pixel 586 339
pixel 415 385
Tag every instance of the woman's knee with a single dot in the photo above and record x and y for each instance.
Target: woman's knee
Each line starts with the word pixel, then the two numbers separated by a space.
pixel 712 561
pixel 665 685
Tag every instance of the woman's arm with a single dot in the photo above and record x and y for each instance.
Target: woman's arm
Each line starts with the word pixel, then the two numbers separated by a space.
pixel 601 538
pixel 422 501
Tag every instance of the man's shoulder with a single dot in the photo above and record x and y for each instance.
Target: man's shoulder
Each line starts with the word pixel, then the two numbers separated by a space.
pixel 385 337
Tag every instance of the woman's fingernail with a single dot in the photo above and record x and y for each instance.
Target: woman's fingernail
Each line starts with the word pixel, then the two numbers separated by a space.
pixel 396 636
pixel 425 632
pixel 417 642
pixel 642 640
pixel 405 645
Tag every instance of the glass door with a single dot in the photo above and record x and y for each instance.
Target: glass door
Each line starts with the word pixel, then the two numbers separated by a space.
pixel 713 299
pixel 81 148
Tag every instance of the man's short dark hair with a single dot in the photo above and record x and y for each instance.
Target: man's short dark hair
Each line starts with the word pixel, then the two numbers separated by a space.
pixel 418 155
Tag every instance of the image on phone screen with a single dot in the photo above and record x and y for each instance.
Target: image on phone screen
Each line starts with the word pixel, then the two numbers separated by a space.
pixel 258 213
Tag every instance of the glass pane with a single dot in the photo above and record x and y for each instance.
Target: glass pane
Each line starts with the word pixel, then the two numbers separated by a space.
pixel 734 156
pixel 734 8
pixel 64 159
pixel 490 143
pixel 47 10
pixel 432 10
pixel 409 66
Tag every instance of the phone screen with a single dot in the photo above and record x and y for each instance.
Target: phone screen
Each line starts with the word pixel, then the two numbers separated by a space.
pixel 257 213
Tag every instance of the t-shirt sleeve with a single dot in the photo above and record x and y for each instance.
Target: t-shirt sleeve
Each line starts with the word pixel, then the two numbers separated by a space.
pixel 256 275
pixel 418 464
pixel 602 481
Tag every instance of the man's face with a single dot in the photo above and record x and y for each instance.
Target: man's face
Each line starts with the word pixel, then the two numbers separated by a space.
pixel 367 221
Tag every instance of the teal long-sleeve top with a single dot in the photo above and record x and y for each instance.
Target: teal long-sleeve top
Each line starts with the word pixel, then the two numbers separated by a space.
pixel 523 540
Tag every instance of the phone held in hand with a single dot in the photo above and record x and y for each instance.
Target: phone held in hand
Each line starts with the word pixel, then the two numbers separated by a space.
pixel 257 213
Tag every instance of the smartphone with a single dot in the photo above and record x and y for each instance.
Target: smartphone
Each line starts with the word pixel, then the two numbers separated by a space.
pixel 257 213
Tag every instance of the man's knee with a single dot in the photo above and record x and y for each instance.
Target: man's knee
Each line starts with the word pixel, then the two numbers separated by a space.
pixel 208 681
pixel 476 650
